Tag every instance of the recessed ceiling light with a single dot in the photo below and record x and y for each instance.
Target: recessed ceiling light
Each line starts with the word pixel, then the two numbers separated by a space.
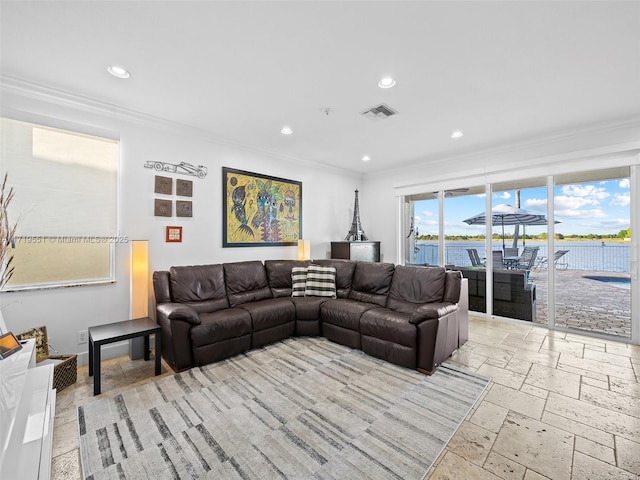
pixel 456 134
pixel 366 158
pixel 386 82
pixel 286 130
pixel 118 71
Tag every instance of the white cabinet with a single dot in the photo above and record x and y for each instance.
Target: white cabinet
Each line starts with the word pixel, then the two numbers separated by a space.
pixel 27 410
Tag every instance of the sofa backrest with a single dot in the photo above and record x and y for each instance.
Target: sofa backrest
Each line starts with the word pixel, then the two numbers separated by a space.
pixel 246 282
pixel 414 286
pixel 344 274
pixel 199 286
pixel 371 282
pixel 279 275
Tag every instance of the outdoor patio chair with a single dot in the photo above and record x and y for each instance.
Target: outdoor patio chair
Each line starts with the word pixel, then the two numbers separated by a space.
pixel 475 258
pixel 528 258
pixel 510 251
pixel 498 259
pixel 543 262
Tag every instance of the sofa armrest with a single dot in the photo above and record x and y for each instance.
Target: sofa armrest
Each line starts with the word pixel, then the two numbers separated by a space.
pixel 179 311
pixel 432 311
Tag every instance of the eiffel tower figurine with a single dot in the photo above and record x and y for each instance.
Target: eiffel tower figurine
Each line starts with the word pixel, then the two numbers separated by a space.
pixel 356 234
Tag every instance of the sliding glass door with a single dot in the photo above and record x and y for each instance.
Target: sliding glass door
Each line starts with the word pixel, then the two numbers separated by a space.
pixel 592 252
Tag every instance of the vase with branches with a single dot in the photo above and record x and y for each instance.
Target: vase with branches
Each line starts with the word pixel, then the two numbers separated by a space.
pixel 7 233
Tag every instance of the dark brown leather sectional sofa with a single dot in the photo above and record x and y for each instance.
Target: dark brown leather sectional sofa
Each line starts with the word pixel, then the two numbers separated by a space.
pixel 411 316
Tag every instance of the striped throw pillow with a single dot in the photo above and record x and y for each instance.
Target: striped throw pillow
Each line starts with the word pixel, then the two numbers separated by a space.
pixel 298 281
pixel 321 282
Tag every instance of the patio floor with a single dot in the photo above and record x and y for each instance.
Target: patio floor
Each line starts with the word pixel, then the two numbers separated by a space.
pixel 583 303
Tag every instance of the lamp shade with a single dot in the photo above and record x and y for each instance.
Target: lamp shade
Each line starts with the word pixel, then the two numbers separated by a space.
pixel 304 249
pixel 139 278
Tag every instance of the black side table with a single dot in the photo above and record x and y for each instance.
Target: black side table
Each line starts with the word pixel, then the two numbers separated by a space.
pixel 116 332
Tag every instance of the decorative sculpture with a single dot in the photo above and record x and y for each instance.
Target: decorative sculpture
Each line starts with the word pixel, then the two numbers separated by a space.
pixel 356 234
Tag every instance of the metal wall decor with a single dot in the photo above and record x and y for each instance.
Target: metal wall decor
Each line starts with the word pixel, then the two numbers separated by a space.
pixel 162 208
pixel 163 185
pixel 184 208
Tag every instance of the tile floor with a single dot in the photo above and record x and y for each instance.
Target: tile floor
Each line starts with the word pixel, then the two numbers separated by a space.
pixel 560 406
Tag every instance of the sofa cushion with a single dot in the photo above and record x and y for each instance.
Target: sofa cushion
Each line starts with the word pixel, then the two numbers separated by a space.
pixel 344 274
pixel 246 282
pixel 298 281
pixel 270 313
pixel 415 286
pixel 200 286
pixel 371 282
pixel 321 282
pixel 344 313
pixel 279 275
pixel 222 325
pixel 388 325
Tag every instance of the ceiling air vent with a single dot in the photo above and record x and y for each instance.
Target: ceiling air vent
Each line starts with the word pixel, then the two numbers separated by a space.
pixel 379 112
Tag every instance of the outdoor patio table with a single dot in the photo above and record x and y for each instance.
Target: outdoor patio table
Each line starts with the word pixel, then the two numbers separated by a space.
pixel 511 262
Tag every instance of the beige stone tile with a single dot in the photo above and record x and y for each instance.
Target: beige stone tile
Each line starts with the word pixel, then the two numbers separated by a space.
pixel 484 339
pixel 472 443
pixel 520 344
pixel 65 438
pixel 573 337
pixel 604 385
pixel 611 400
pixel 531 475
pixel 499 353
pixel 66 414
pixel 489 416
pixel 554 380
pixel 563 346
pixel 503 467
pixel 469 359
pixel 533 444
pixel 624 349
pixel 631 389
pixel 546 358
pixel 597 348
pixel 519 366
pixel 66 466
pixel 535 391
pixel 536 336
pixel 595 450
pixel 599 417
pixel 578 429
pixel 628 455
pixel 502 376
pixel 584 373
pixel 618 360
pixel 496 363
pixel 454 467
pixel 515 400
pixel 598 366
pixel 591 468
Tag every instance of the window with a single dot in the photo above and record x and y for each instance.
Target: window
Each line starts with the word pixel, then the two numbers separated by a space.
pixel 65 204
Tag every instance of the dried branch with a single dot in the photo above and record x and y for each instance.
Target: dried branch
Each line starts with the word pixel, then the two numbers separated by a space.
pixel 7 233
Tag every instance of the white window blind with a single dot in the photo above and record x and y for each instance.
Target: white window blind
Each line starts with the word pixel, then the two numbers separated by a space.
pixel 65 204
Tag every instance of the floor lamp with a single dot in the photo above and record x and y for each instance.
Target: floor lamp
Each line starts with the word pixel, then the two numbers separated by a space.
pixel 304 250
pixel 139 291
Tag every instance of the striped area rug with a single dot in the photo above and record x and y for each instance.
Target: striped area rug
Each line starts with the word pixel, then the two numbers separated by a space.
pixel 304 408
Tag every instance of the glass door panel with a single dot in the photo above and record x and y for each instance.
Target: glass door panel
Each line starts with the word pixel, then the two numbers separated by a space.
pixel 519 240
pixel 592 254
pixel 423 234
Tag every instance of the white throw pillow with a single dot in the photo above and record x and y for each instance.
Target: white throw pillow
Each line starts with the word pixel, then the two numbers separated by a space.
pixel 298 281
pixel 321 282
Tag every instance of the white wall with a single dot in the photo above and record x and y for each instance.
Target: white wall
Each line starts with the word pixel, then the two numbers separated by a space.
pixel 327 196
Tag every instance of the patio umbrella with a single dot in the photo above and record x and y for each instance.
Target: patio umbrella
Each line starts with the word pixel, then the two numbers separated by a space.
pixel 504 214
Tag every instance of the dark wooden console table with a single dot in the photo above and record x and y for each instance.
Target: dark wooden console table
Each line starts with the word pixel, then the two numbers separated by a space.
pixel 116 332
pixel 365 251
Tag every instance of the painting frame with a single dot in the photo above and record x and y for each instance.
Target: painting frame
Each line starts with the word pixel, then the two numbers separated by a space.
pixel 173 234
pixel 260 210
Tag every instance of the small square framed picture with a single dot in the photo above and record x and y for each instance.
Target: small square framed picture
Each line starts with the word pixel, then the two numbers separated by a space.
pixel 174 234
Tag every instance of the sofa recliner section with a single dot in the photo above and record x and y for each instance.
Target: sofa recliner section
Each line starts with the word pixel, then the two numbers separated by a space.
pixel 410 316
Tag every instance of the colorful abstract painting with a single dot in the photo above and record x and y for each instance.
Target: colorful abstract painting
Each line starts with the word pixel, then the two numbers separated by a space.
pixel 260 210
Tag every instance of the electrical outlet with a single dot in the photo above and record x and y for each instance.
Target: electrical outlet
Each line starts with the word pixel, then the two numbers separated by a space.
pixel 82 337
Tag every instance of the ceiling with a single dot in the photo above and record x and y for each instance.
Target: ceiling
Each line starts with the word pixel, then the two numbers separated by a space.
pixel 502 72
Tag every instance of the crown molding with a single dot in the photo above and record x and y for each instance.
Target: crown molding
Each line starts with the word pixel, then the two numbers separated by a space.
pixel 28 89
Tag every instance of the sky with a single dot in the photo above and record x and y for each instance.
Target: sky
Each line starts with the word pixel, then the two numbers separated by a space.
pixel 582 208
